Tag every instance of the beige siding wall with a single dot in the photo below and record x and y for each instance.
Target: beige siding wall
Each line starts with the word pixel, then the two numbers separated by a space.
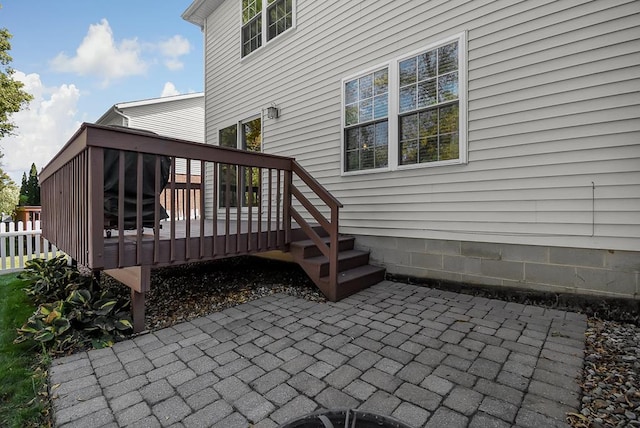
pixel 553 115
pixel 183 119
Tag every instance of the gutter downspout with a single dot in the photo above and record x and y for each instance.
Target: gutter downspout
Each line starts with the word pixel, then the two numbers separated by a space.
pixel 127 119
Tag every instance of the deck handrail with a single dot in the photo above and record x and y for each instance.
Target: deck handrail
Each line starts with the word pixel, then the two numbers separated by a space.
pixel 73 187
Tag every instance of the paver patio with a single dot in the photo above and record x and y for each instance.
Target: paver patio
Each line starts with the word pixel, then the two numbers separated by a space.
pixel 427 357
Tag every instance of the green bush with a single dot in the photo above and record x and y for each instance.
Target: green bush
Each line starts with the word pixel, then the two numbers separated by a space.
pixel 51 280
pixel 79 315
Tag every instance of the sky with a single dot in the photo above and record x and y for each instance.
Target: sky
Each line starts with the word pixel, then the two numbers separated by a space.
pixel 80 57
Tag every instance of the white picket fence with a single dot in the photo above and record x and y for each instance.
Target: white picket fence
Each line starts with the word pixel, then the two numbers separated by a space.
pixel 17 245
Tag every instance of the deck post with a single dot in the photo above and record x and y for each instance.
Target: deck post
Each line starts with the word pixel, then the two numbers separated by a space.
pixel 138 279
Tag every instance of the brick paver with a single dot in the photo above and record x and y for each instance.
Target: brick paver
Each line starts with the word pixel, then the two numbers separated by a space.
pixel 426 357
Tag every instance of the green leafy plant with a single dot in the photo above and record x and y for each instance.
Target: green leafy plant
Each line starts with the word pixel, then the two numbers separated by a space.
pixel 82 319
pixel 73 311
pixel 51 280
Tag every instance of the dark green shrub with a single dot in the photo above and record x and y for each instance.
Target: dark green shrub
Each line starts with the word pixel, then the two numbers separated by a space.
pixel 74 313
pixel 52 280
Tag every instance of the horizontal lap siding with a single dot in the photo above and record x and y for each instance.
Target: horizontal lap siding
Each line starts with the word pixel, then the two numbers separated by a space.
pixel 553 115
pixel 183 119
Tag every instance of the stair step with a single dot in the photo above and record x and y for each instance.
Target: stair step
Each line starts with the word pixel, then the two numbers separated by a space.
pixel 307 248
pixel 353 280
pixel 348 259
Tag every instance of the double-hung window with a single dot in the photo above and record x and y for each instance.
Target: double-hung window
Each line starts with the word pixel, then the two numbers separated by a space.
pixel 366 115
pixel 416 117
pixel 264 20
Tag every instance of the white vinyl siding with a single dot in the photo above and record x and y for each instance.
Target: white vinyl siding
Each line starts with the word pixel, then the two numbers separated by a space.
pixel 183 119
pixel 553 108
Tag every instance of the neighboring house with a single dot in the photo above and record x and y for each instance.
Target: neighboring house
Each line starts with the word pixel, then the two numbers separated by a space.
pixel 484 142
pixel 180 116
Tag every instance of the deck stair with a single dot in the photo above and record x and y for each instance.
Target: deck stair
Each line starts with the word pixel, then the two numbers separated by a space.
pixel 354 271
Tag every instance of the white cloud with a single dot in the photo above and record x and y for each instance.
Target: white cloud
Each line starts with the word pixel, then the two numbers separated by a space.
pixel 172 49
pixel 100 55
pixel 43 128
pixel 169 90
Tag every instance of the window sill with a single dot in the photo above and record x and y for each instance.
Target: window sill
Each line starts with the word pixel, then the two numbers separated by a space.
pixel 255 54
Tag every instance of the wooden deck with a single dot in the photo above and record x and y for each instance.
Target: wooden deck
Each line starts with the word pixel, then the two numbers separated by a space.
pixel 195 241
pixel 104 197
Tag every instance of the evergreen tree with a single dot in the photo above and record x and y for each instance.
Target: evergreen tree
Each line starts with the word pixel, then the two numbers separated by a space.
pixel 33 186
pixel 24 191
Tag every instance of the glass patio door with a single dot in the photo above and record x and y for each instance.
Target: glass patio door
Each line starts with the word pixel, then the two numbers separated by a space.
pixel 246 135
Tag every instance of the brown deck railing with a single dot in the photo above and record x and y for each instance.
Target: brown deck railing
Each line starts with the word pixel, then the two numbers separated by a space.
pixel 250 195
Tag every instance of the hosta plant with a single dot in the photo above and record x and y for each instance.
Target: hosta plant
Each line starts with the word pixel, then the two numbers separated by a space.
pixel 51 280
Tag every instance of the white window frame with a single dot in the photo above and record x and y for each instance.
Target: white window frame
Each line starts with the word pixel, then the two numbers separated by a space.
pixel 394 110
pixel 343 154
pixel 265 27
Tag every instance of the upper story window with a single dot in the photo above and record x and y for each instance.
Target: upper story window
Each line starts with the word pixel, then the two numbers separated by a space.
pixel 263 20
pixel 410 112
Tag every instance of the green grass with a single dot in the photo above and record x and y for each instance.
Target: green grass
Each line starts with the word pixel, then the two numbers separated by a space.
pixel 22 369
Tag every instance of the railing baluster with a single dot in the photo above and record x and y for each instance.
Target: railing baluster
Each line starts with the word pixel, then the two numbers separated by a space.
pixel 227 197
pixel 286 217
pixel 214 246
pixel 139 206
pixel 259 242
pixel 187 217
pixel 278 210
pixel 157 185
pixel 121 165
pixel 249 188
pixel 239 192
pixel 269 239
pixel 172 230
pixel 201 204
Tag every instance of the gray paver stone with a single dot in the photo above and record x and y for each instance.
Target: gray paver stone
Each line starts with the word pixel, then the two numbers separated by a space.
pixel 342 376
pixel 171 410
pixel 298 363
pixel 530 419
pixel 133 414
pixel 412 415
pixel 157 391
pixel 201 399
pixel 331 398
pixel 437 384
pixel 482 420
pixel 319 369
pixel 381 380
pixel 269 381
pixel 463 400
pixel 444 417
pixel 198 384
pixel 102 418
pixel 79 410
pixel 124 401
pixel 381 402
pixel 234 420
pixel 498 408
pixel 253 406
pixel 485 368
pixel 359 389
pixel 418 396
pixel 231 388
pixel 501 392
pixel 281 394
pixel 140 366
pixel 307 384
pixel 299 406
pixel 208 415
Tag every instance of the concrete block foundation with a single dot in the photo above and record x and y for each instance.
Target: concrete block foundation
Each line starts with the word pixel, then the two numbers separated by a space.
pixel 607 273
